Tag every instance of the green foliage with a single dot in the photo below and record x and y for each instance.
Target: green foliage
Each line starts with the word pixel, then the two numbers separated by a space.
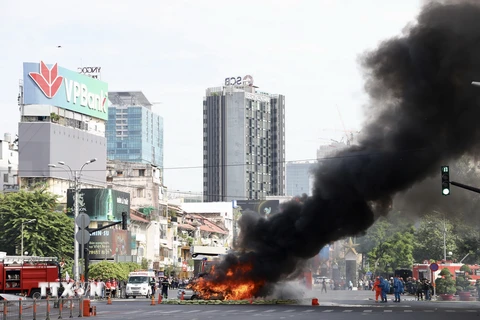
pixel 50 235
pixel 462 282
pixel 466 268
pixel 107 270
pixel 389 244
pixel 445 284
pixel 428 236
pixel 144 264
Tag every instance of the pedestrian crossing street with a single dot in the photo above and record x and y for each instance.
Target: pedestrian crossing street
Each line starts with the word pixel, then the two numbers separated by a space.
pixel 297 311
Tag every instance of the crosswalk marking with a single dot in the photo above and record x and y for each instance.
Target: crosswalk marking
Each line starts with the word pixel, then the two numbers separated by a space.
pixel 407 310
pixel 250 310
pixel 471 310
pixel 449 310
pixel 347 310
pixel 173 311
pixel 387 310
pixel 291 310
pixel 210 311
pixel 428 310
pixel 230 311
pixel 272 310
pixel 367 310
pixel 327 310
pixel 308 311
pixel 192 311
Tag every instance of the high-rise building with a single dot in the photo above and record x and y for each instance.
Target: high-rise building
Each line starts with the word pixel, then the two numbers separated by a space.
pixel 134 133
pixel 243 142
pixel 62 128
pixel 300 178
pixel 8 164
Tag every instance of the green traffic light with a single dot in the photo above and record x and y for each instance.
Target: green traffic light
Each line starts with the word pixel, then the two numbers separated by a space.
pixel 446 192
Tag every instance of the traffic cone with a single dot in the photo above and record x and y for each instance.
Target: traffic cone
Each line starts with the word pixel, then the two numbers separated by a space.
pixel 109 300
pixel 159 298
pixel 315 302
pixel 182 296
pixel 152 303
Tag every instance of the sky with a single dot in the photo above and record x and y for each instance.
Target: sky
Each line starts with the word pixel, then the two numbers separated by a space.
pixel 307 50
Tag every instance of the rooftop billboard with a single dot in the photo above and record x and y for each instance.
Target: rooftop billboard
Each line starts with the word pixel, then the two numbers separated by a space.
pixel 60 87
pixel 264 208
pixel 100 204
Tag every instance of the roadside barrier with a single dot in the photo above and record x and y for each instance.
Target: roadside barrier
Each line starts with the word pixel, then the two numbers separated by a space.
pixel 46 309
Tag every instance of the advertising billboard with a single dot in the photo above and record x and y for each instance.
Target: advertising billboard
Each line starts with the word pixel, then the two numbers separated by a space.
pixel 107 243
pixel 60 87
pixel 100 204
pixel 263 207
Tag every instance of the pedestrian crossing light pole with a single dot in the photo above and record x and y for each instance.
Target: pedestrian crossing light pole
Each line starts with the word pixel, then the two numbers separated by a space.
pixel 445 180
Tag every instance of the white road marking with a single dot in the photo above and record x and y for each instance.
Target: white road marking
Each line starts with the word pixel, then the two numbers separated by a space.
pixel 367 310
pixel 407 310
pixel 308 311
pixel 291 310
pixel 327 310
pixel 387 310
pixel 271 310
pixel 347 310
pixel 192 311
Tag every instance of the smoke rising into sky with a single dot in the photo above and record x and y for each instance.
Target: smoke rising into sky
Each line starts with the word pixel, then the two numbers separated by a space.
pixel 423 112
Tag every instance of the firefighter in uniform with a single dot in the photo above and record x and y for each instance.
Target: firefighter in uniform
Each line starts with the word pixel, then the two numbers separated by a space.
pixel 165 285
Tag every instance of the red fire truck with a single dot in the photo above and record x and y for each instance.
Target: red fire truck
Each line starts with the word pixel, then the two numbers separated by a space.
pixel 22 275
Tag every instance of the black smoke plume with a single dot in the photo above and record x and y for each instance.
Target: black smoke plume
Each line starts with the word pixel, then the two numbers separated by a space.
pixel 423 112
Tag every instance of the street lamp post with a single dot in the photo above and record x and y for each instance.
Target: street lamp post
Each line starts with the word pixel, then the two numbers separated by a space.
pixel 21 242
pixel 76 188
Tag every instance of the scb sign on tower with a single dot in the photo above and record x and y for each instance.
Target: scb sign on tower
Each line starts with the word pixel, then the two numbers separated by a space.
pixel 238 81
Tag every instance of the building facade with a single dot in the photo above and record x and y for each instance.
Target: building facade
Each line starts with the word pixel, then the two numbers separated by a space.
pixel 142 180
pixel 62 127
pixel 243 142
pixel 300 178
pixel 134 133
pixel 8 164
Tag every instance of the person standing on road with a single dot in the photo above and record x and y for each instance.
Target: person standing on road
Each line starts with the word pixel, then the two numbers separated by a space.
pixel 397 288
pixel 385 289
pixel 165 285
pixel 324 286
pixel 377 287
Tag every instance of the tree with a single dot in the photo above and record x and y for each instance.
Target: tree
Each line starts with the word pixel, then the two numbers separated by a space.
pixel 50 235
pixel 112 270
pixel 429 238
pixel 445 284
pixel 389 244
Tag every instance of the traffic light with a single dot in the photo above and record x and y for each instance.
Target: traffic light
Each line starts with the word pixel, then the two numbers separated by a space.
pixel 124 221
pixel 445 180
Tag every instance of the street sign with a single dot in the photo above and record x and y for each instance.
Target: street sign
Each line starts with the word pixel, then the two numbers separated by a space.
pixel 434 267
pixel 82 221
pixel 369 273
pixel 82 236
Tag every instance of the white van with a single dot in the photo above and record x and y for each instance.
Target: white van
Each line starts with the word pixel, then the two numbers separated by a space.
pixel 140 284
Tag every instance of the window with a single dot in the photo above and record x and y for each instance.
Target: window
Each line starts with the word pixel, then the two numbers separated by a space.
pixel 140 193
pixel 141 172
pixel 5 177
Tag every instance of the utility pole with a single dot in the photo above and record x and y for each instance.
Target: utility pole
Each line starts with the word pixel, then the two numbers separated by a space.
pixel 75 215
pixel 444 240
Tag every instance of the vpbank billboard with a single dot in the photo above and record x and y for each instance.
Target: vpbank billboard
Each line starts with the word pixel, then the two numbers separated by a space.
pixel 60 87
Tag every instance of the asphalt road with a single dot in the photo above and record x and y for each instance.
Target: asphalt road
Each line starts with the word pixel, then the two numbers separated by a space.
pixel 333 305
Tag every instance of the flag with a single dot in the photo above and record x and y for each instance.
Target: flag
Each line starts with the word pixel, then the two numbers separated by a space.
pixel 67 277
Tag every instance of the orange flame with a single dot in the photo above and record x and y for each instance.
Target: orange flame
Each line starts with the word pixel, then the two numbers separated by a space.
pixel 234 285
